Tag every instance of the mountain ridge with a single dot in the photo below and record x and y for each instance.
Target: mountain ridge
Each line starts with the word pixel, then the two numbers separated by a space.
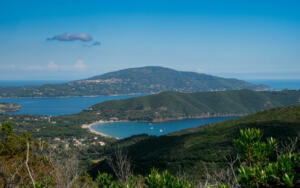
pixel 152 79
pixel 175 105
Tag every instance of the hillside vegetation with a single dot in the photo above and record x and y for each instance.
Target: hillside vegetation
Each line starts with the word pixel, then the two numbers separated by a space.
pixel 132 81
pixel 205 147
pixel 157 107
pixel 175 105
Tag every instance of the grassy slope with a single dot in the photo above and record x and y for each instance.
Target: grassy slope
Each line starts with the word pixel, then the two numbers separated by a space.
pixel 174 104
pixel 189 149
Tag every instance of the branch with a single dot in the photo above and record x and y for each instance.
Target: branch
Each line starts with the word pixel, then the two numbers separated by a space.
pixel 26 163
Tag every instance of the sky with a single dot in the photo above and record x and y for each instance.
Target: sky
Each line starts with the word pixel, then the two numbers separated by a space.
pixel 69 40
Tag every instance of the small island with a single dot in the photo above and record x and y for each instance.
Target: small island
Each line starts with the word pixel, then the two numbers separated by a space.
pixel 9 107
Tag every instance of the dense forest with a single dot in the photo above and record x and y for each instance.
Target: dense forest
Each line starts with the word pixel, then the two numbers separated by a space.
pixel 176 105
pixel 194 149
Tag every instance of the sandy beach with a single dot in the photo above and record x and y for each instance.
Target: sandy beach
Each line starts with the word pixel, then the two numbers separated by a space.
pixel 89 126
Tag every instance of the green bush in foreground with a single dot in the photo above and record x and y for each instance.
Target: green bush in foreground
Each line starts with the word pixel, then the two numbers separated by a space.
pixel 22 164
pixel 154 180
pixel 257 170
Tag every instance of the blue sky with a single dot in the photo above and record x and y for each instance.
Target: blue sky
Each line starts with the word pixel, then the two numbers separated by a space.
pixel 66 40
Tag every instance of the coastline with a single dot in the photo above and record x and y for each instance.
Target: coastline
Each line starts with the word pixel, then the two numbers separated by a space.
pixel 77 96
pixel 89 126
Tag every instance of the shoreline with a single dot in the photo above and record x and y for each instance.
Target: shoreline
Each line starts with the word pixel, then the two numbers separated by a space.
pixel 89 126
pixel 76 96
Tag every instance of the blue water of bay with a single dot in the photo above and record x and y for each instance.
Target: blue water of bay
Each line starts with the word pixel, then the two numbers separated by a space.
pixel 29 82
pixel 127 129
pixel 59 106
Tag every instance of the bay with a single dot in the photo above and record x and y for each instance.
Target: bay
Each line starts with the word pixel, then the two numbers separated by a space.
pixel 127 129
pixel 59 106
pixel 70 105
pixel 10 83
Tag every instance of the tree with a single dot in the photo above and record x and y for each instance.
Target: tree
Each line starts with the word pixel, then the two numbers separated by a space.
pixel 20 162
pixel 258 169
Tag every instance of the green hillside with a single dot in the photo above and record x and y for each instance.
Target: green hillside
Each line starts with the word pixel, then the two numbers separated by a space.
pixel 132 81
pixel 175 105
pixel 193 149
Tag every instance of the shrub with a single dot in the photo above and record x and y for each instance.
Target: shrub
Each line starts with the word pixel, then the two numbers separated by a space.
pixel 257 170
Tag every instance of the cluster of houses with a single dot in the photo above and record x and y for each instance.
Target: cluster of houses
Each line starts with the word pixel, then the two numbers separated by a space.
pixel 77 142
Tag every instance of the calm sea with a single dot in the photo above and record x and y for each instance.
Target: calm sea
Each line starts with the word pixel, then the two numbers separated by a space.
pixel 29 82
pixel 279 84
pixel 126 129
pixel 60 106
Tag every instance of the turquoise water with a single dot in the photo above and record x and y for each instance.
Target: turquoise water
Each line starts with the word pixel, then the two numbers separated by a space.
pixel 59 106
pixel 126 129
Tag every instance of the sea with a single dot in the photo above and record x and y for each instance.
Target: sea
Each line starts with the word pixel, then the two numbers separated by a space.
pixel 71 105
pixel 127 129
pixel 279 84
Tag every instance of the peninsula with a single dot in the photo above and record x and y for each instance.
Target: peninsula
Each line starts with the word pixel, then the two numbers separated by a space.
pixel 175 105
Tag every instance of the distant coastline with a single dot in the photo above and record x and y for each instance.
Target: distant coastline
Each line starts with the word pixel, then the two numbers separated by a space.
pixel 85 96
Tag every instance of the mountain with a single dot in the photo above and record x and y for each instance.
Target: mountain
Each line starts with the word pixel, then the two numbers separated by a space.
pixel 132 81
pixel 203 148
pixel 176 105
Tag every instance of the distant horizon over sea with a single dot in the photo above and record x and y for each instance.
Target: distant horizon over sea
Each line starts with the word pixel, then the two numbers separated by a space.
pixel 276 84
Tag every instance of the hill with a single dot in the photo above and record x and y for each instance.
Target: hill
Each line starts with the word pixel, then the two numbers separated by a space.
pixel 132 81
pixel 175 105
pixel 205 147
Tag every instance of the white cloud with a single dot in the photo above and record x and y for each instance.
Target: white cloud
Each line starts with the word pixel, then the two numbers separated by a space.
pixel 199 70
pixel 80 65
pixel 34 68
pixel 8 67
pixel 52 66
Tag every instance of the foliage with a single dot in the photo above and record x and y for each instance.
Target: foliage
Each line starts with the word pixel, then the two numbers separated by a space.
pixel 257 170
pixel 252 149
pixel 204 147
pixel 153 180
pixel 175 105
pixel 19 159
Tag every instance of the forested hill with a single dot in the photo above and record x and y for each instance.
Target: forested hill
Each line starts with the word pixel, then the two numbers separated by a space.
pixel 176 105
pixel 132 81
pixel 206 147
